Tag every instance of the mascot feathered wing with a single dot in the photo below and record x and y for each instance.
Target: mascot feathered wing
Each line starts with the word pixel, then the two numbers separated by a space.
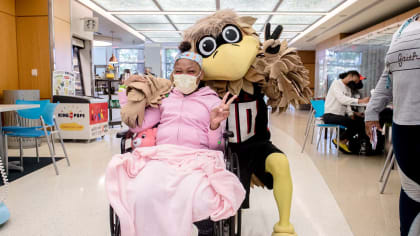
pixel 235 60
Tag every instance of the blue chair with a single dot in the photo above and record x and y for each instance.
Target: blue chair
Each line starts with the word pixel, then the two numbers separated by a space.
pixel 45 113
pixel 19 121
pixel 316 113
pixel 51 123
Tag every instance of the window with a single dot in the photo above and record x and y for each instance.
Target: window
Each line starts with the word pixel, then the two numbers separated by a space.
pixel 132 59
pixel 169 61
pixel 341 61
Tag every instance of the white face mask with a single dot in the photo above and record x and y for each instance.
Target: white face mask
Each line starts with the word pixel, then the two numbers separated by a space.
pixel 186 83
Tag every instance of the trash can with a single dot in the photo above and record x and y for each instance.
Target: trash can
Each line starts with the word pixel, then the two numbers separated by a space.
pixel 11 119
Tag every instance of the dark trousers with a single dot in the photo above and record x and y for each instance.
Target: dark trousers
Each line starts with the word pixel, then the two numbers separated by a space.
pixel 407 152
pixel 354 126
pixel 205 227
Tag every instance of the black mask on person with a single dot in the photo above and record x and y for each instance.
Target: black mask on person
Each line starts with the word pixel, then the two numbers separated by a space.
pixel 352 85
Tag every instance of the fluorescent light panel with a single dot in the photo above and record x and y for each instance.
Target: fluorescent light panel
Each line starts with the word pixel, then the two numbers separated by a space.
pixel 124 5
pixel 191 5
pixel 98 43
pixel 211 12
pixel 309 5
pixel 249 5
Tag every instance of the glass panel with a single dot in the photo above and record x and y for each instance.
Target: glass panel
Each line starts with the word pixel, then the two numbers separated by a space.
pixel 185 19
pixel 293 28
pixel 169 61
pixel 294 19
pixel 152 26
pixel 262 38
pixel 133 67
pixel 130 58
pixel 249 5
pixel 259 27
pixel 162 34
pixel 191 19
pixel 167 40
pixel 297 28
pixel 144 19
pixel 288 35
pixel 127 5
pixel 309 5
pixel 129 55
pixel 261 19
pixel 182 5
pixel 183 26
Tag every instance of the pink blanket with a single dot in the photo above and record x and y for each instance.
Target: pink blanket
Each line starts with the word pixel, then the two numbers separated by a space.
pixel 162 190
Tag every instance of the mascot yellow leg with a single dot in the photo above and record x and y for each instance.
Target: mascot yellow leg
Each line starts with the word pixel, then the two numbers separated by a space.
pixel 278 166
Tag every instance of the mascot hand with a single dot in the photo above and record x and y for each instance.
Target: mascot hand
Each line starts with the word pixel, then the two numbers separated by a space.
pixel 272 44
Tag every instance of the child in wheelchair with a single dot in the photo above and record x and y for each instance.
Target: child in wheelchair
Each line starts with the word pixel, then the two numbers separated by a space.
pixel 163 189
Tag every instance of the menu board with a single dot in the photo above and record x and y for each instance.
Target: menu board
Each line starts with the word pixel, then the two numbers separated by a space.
pixel 63 83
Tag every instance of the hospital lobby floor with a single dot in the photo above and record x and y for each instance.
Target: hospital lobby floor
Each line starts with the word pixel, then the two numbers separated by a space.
pixel 333 196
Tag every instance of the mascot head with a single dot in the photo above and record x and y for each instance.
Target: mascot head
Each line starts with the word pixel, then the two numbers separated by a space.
pixel 227 42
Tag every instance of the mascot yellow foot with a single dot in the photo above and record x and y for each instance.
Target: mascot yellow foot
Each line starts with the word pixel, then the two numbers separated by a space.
pixel 278 166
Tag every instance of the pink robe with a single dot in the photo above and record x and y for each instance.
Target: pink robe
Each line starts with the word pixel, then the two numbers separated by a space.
pixel 162 190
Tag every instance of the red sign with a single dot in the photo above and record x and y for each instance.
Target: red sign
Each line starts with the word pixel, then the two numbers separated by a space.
pixel 98 113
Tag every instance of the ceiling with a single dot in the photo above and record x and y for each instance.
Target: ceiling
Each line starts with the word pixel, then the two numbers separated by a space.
pixel 305 22
pixel 354 18
pixel 110 32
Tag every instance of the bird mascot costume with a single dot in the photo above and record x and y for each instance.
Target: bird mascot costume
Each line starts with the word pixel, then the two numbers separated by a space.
pixel 235 60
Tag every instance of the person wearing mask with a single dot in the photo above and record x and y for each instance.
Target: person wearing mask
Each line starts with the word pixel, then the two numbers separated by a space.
pixel 338 107
pixel 400 83
pixel 192 115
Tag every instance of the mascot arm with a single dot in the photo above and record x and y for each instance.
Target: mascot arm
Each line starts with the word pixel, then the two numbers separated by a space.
pixel 286 78
pixel 150 120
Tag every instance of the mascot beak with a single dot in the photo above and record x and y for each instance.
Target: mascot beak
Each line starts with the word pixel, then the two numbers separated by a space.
pixel 231 61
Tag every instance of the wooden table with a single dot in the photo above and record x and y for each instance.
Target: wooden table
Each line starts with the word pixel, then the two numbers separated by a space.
pixel 11 107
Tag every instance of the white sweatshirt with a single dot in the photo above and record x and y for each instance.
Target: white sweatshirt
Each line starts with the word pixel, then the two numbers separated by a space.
pixel 339 99
pixel 400 82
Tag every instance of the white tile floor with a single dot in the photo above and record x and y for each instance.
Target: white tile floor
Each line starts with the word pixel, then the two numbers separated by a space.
pixel 325 200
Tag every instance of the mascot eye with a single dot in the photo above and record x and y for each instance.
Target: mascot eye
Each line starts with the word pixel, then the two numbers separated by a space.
pixel 231 34
pixel 206 46
pixel 143 136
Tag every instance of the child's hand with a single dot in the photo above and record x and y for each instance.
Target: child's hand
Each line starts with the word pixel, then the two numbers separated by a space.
pixel 221 112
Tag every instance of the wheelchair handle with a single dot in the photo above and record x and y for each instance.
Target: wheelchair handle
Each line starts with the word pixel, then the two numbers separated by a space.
pixel 228 134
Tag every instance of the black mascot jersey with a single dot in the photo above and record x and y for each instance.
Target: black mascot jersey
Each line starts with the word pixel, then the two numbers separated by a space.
pixel 248 120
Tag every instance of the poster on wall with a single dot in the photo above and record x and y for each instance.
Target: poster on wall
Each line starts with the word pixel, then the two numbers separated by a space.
pixel 63 83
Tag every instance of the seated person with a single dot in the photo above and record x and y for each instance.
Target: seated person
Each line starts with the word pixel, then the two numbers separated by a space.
pixel 338 107
pixel 191 116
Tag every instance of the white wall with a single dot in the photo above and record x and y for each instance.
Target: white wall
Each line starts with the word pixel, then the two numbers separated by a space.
pixel 152 58
pixel 79 11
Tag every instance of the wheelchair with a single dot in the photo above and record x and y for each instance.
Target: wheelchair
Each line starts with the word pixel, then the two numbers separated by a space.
pixel 227 227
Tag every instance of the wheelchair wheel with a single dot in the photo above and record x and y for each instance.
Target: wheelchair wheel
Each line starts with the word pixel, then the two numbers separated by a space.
pixel 114 223
pixel 229 227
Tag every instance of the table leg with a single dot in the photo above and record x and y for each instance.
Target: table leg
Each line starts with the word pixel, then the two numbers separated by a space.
pixel 4 155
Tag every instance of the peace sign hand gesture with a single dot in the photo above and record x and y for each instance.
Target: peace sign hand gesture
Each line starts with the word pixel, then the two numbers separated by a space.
pixel 275 47
pixel 221 112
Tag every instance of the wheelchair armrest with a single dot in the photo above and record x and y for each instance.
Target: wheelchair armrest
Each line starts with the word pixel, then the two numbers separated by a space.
pixel 124 134
pixel 228 134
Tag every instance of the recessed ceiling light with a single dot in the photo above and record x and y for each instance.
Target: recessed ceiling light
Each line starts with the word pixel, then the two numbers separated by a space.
pixel 98 43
